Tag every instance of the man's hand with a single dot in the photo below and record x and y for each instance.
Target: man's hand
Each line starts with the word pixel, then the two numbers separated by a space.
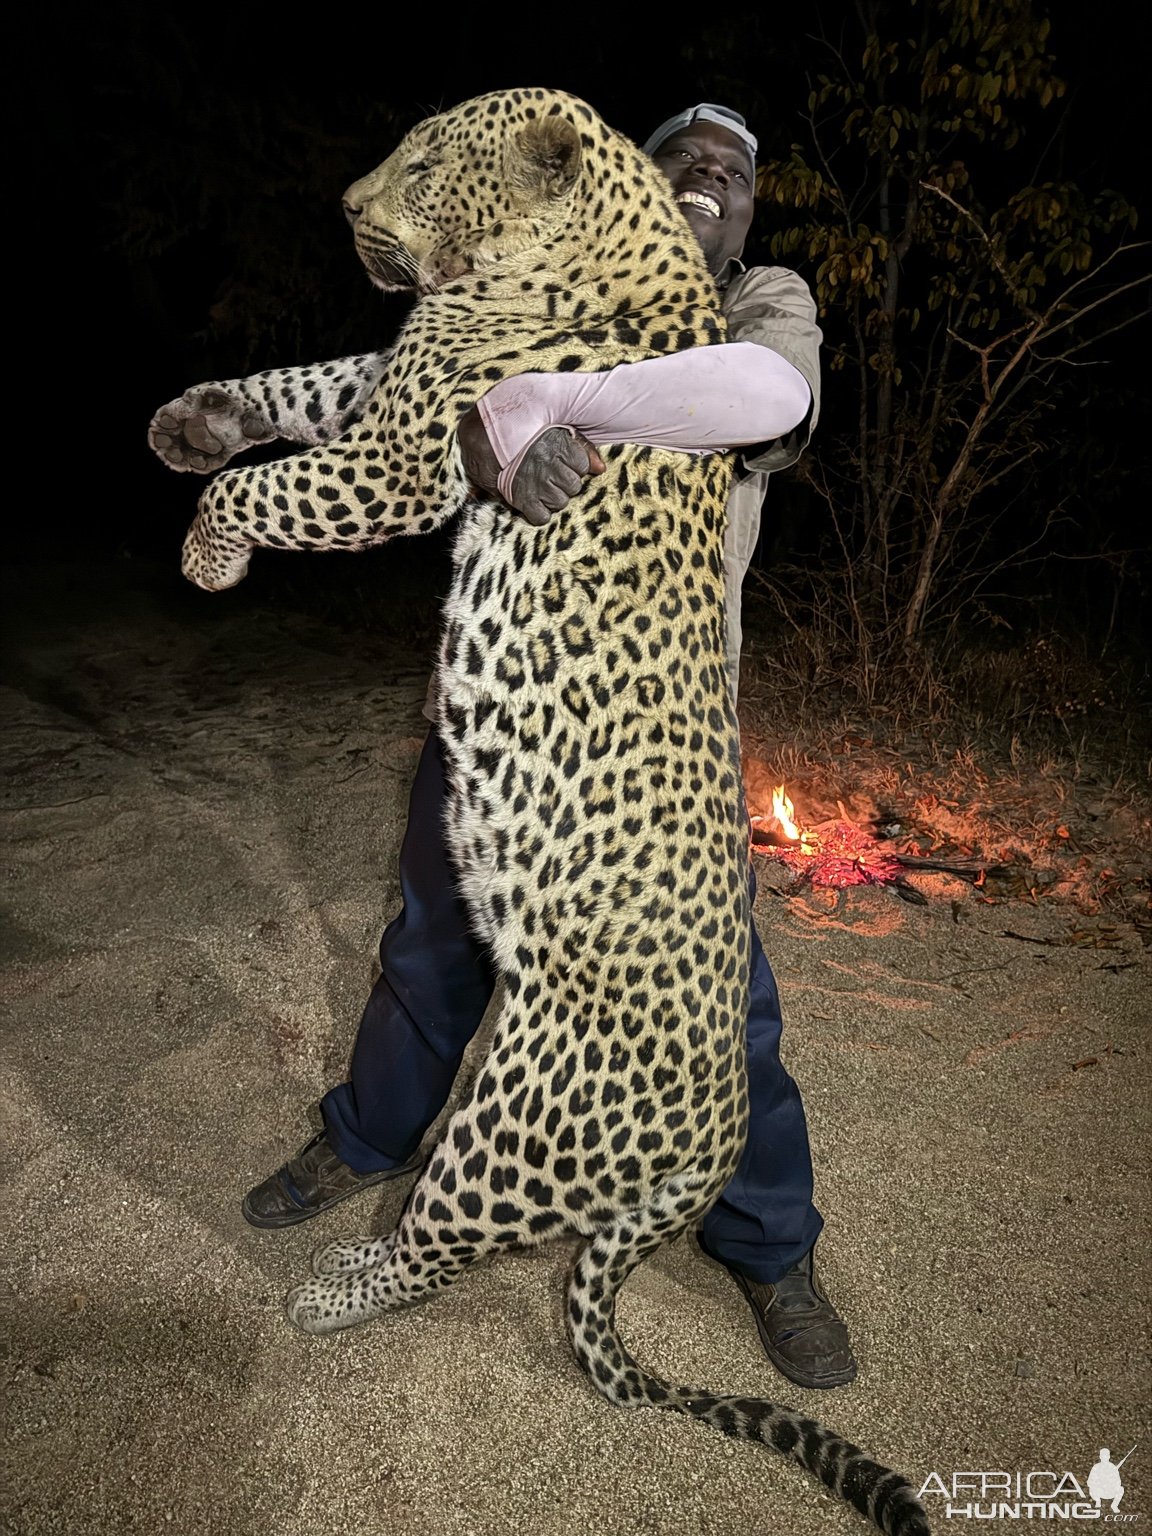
pixel 552 472
pixel 202 430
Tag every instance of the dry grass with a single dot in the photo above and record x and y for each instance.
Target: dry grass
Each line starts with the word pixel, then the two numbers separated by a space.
pixel 1034 761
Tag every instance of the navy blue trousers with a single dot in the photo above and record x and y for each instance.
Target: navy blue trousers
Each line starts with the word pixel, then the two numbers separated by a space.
pixel 435 984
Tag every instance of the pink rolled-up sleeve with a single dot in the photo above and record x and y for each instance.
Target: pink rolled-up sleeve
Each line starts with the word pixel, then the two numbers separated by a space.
pixel 704 400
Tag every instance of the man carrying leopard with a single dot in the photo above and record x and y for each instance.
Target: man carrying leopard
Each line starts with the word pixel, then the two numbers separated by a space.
pixel 436 978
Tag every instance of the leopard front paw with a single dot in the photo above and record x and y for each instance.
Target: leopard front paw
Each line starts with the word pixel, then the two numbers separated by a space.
pixel 213 559
pixel 203 429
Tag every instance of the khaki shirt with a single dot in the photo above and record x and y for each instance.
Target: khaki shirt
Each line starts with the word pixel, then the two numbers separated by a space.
pixel 772 307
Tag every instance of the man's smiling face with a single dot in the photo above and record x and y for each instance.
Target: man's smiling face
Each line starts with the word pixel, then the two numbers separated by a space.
pixel 712 174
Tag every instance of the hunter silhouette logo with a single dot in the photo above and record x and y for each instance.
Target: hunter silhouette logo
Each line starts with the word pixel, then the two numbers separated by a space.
pixel 1104 1483
pixel 1035 1495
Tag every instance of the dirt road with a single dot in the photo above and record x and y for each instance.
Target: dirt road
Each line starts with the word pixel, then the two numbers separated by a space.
pixel 203 804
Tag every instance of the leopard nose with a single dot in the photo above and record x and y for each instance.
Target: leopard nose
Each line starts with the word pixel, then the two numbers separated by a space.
pixel 351 212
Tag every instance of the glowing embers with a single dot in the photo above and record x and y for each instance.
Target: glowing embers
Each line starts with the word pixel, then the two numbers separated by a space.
pixel 834 854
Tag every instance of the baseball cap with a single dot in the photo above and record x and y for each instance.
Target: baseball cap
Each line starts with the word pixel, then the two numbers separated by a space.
pixel 710 112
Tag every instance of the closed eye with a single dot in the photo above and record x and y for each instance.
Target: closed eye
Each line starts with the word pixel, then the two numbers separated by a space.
pixel 417 166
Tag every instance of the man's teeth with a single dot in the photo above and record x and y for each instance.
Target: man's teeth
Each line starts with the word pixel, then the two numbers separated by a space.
pixel 700 200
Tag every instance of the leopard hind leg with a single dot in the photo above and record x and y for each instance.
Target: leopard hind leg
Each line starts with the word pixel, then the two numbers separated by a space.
pixel 435 1241
pixel 414 1269
pixel 350 1256
pixel 881 1495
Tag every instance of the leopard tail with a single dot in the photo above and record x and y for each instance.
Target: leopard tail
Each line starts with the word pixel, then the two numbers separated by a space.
pixel 881 1495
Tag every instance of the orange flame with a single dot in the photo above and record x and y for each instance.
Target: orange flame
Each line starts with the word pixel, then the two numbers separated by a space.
pixel 783 810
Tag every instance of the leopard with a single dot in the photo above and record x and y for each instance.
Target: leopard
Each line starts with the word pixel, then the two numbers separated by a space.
pixel 595 804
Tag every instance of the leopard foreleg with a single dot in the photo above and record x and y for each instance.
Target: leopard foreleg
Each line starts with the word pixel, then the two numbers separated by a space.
pixel 360 490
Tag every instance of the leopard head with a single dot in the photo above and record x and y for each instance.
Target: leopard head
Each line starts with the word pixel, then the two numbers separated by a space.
pixel 470 188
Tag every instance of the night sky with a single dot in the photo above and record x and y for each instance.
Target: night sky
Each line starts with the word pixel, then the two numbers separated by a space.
pixel 182 168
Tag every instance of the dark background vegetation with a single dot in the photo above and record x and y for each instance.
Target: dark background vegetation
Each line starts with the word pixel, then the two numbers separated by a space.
pixel 182 167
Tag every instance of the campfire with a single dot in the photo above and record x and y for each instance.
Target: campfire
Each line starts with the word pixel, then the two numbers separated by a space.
pixel 837 854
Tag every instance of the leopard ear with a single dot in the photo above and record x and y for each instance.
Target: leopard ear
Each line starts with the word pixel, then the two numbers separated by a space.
pixel 544 157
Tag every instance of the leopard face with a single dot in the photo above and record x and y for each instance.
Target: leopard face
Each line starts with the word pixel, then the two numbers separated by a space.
pixel 449 201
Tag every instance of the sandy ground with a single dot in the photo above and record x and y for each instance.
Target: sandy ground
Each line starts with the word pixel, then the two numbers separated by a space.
pixel 203 804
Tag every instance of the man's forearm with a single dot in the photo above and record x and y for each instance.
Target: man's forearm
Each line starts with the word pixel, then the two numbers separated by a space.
pixel 704 400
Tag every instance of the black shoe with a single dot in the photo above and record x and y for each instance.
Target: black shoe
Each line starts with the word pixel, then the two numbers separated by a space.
pixel 311 1182
pixel 803 1335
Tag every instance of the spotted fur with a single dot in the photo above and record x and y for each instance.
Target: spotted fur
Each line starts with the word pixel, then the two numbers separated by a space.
pixel 595 801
